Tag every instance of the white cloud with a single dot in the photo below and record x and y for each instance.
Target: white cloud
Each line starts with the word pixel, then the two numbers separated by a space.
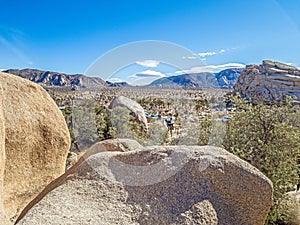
pixel 204 54
pixel 189 57
pixel 115 80
pixel 148 73
pixel 211 68
pixel 193 56
pixel 148 63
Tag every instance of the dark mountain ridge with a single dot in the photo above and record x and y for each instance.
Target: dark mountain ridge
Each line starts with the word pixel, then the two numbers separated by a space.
pixel 56 79
pixel 224 79
pixel 48 78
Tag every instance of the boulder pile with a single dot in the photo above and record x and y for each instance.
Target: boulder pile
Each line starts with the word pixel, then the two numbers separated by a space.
pixel 269 82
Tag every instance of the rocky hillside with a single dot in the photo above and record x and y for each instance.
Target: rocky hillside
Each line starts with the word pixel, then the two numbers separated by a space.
pixel 223 79
pixel 227 78
pixel 269 82
pixel 117 84
pixel 50 79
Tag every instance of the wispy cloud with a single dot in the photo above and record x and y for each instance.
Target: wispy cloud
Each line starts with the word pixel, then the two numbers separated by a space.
pixel 203 55
pixel 9 43
pixel 148 63
pixel 147 73
pixel 193 56
pixel 211 68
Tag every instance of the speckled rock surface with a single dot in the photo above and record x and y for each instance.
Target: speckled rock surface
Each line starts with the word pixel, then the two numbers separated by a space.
pixel 269 82
pixel 135 108
pixel 293 211
pixel 3 215
pixel 157 185
pixel 34 141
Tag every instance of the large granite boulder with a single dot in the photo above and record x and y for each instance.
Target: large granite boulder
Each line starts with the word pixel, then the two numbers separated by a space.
pixel 3 215
pixel 155 185
pixel 269 82
pixel 133 107
pixel 293 208
pixel 34 141
pixel 112 145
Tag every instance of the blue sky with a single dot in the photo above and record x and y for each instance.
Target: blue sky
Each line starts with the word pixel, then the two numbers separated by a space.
pixel 68 36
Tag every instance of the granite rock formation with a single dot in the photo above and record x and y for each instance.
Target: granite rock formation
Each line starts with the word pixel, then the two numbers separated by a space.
pixel 134 108
pixel 155 185
pixel 34 141
pixel 269 82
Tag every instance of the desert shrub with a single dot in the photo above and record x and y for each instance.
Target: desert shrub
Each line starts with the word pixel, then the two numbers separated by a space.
pixel 199 104
pixel 157 135
pixel 268 137
pixel 67 113
pixel 126 125
pixel 104 126
pixel 88 123
pixel 83 124
pixel 205 131
pixel 211 131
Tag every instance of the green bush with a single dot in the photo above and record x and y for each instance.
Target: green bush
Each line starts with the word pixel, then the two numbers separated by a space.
pixel 88 123
pixel 268 137
pixel 104 126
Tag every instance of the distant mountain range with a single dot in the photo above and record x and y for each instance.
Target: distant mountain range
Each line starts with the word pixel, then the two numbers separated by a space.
pixel 55 79
pixel 224 79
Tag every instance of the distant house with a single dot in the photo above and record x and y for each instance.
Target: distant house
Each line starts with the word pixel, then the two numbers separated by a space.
pixel 229 104
pixel 225 119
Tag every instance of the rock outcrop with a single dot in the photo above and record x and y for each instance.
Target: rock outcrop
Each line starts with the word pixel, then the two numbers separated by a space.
pixel 269 82
pixel 34 141
pixel 119 145
pixel 293 208
pixel 155 185
pixel 133 107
